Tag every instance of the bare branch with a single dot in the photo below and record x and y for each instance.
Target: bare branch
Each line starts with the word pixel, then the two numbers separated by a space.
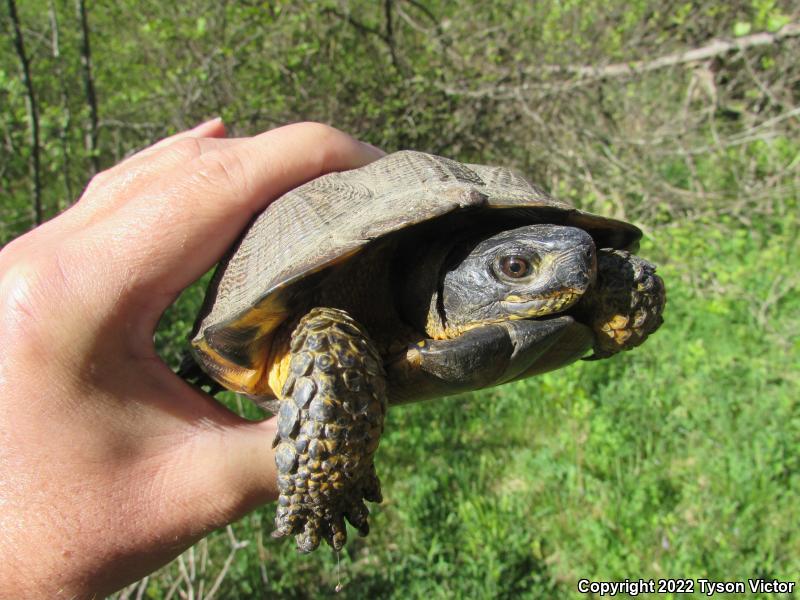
pixel 348 18
pixel 714 48
pixel 589 74
pixel 236 545
pixel 426 11
pixel 389 37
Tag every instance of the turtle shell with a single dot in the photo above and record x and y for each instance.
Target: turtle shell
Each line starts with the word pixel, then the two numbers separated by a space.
pixel 333 217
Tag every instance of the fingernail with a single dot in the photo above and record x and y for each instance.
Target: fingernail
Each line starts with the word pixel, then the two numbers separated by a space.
pixel 209 123
pixel 211 128
pixel 374 149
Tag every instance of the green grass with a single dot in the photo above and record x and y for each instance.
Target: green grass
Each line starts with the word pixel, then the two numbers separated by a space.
pixel 679 459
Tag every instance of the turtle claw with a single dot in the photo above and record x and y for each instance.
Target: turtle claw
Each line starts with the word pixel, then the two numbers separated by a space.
pixel 372 487
pixel 329 425
pixel 310 526
pixel 357 516
pixel 338 533
pixel 308 541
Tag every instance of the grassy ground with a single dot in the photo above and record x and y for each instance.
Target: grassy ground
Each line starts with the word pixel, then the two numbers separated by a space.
pixel 677 460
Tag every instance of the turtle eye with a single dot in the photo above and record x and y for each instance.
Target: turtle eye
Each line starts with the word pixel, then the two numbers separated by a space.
pixel 515 266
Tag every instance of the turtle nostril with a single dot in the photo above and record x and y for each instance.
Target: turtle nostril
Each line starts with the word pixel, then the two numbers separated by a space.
pixel 583 278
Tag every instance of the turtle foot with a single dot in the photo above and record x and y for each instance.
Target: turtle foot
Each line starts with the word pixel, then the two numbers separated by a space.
pixel 329 426
pixel 626 305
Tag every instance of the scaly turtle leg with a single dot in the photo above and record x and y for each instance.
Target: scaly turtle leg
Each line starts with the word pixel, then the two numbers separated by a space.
pixel 329 425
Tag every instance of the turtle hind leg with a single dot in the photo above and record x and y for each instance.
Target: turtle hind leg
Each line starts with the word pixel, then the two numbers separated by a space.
pixel 329 425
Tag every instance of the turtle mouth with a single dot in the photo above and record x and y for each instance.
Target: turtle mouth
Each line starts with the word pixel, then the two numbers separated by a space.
pixel 542 306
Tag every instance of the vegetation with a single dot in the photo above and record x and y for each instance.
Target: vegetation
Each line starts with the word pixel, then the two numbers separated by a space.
pixel 680 459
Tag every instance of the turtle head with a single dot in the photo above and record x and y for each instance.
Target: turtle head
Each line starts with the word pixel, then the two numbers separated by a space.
pixel 522 273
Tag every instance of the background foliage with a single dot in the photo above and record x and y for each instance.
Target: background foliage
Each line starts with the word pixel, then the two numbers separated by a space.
pixel 678 460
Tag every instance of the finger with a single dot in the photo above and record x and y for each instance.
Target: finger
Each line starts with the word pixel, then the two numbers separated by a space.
pixel 188 144
pixel 112 186
pixel 105 198
pixel 183 146
pixel 240 462
pixel 193 483
pixel 217 465
pixel 213 128
pixel 186 225
pixel 139 171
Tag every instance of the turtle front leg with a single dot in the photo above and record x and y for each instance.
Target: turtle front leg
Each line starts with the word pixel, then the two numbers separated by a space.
pixel 329 425
pixel 626 304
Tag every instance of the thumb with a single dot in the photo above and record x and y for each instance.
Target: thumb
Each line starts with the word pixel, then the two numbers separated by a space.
pixel 222 472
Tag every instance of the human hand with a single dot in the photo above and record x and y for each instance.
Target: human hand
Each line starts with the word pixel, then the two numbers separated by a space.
pixel 110 465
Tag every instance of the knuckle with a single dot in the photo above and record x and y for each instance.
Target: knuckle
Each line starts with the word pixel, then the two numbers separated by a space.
pixel 31 268
pixel 42 307
pixel 99 180
pixel 222 169
pixel 188 148
pixel 324 137
pixel 29 289
pixel 318 130
pixel 327 143
pixel 14 250
pixel 100 186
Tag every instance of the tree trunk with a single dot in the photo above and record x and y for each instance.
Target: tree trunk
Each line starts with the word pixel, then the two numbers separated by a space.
pixel 88 82
pixel 33 114
pixel 65 124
